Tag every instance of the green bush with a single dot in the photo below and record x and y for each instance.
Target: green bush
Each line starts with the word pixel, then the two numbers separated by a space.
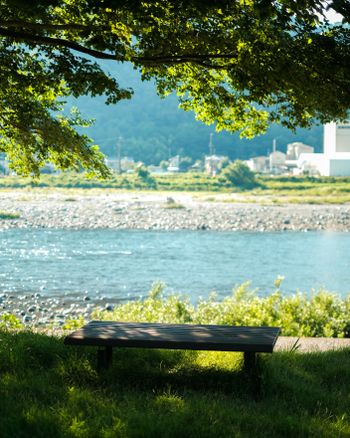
pixel 145 177
pixel 239 175
pixel 9 321
pixel 321 314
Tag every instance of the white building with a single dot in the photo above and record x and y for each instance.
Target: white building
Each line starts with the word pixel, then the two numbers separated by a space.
pixel 294 150
pixel 174 164
pixel 213 163
pixel 335 160
pixel 259 164
pixel 277 161
pixel 124 164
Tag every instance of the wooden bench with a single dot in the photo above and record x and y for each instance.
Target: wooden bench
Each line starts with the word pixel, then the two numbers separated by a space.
pixel 107 334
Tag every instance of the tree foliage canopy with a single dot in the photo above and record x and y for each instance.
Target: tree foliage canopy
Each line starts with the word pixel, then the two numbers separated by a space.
pixel 240 64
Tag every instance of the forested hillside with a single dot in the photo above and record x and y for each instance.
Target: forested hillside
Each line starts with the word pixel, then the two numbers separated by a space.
pixel 152 128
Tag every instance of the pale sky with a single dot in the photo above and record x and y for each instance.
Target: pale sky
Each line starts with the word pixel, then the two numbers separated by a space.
pixel 333 16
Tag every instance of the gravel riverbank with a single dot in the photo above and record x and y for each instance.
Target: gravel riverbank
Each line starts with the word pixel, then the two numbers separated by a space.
pixel 153 211
pixel 39 310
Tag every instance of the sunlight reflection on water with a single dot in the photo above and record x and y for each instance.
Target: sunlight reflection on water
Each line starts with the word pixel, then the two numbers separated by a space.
pixel 116 262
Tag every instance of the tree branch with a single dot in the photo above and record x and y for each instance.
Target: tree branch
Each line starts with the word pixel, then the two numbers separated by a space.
pixel 144 60
pixel 38 39
pixel 28 25
pixel 181 59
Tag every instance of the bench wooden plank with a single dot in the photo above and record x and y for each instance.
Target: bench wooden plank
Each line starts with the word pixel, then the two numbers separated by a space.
pixel 175 336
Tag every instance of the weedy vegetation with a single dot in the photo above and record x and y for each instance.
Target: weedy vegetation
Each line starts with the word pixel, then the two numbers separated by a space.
pixel 235 179
pixel 9 215
pixel 318 314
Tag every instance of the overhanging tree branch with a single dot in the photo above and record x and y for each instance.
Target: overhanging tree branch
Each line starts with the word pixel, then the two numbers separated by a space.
pixel 145 60
pixel 58 42
pixel 41 26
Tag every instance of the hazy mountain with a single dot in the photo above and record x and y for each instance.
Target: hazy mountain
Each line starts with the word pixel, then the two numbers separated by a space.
pixel 152 128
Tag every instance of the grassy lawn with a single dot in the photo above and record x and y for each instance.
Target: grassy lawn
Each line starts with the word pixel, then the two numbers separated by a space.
pixel 51 390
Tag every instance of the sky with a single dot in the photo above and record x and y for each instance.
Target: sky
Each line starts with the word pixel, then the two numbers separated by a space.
pixel 333 16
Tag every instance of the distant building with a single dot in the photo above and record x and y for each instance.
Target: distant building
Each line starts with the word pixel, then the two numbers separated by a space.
pixel 311 164
pixel 197 166
pixel 294 150
pixel 259 164
pixel 277 161
pixel 335 160
pixel 213 163
pixel 124 164
pixel 336 139
pixel 155 169
pixel 174 164
pixel 127 163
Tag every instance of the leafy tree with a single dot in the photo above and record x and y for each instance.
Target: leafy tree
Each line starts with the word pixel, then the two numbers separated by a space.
pixel 142 172
pixel 228 61
pixel 145 176
pixel 239 174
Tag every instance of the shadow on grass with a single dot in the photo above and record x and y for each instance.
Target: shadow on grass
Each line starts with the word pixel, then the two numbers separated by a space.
pixel 181 370
pixel 48 389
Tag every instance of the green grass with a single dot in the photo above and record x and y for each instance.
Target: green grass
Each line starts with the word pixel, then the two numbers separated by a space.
pixel 182 182
pixel 270 190
pixel 9 215
pixel 51 390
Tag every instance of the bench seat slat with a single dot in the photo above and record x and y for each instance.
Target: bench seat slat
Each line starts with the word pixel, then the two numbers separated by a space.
pixel 175 336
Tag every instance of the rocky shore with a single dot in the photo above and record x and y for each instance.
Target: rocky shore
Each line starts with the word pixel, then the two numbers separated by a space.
pixel 39 310
pixel 153 211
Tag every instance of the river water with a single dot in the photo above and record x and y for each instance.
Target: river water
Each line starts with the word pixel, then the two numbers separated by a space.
pixel 124 264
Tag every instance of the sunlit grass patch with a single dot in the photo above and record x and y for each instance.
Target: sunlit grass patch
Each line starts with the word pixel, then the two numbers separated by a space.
pixel 9 215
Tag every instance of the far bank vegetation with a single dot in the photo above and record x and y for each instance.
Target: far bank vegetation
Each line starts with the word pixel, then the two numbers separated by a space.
pixel 247 186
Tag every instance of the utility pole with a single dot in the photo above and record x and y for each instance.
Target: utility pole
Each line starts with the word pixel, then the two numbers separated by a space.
pixel 118 153
pixel 170 142
pixel 211 145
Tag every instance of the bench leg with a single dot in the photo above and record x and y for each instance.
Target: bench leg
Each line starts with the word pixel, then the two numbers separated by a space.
pixel 251 368
pixel 104 358
pixel 249 361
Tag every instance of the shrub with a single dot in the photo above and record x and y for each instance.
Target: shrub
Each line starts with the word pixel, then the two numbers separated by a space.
pixel 321 314
pixel 239 175
pixel 9 321
pixel 145 176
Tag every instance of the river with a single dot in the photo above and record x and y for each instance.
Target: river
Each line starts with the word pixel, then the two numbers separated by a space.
pixel 123 264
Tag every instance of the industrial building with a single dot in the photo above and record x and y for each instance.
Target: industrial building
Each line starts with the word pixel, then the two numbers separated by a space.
pixel 335 159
